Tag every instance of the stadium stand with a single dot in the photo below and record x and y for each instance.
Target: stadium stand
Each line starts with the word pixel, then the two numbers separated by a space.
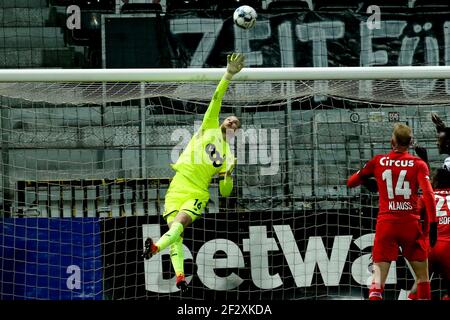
pixel 233 4
pixel 337 5
pixel 188 5
pixel 387 6
pixel 87 4
pixel 31 37
pixel 287 6
pixel 141 8
pixel 433 5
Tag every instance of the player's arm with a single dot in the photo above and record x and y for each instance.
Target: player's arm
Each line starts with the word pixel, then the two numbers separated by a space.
pixel 423 214
pixel 225 185
pixel 422 154
pixel 235 62
pixel 428 200
pixel 363 176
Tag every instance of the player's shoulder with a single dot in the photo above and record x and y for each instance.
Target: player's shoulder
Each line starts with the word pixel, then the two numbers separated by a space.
pixel 372 162
pixel 378 157
pixel 416 163
pixel 417 160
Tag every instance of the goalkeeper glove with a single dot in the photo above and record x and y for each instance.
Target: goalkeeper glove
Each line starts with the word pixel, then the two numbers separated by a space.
pixel 433 233
pixel 225 185
pixel 235 63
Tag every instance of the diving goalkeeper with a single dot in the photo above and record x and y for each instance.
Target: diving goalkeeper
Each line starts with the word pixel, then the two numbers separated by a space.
pixel 207 154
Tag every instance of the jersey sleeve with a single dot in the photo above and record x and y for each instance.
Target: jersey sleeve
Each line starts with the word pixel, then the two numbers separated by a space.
pixel 211 117
pixel 225 177
pixel 423 177
pixel 358 178
pixel 420 204
pixel 225 186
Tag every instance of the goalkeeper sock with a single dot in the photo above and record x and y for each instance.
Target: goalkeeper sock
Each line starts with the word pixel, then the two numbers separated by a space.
pixel 424 290
pixel 177 256
pixel 170 236
pixel 375 292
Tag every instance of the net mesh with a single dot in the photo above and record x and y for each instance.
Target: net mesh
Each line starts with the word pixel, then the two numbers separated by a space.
pixel 94 157
pixel 290 230
pixel 418 91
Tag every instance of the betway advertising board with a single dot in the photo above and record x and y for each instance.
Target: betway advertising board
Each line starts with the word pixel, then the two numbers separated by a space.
pixel 267 256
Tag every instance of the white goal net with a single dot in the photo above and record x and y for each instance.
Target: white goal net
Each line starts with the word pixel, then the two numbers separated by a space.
pixel 85 166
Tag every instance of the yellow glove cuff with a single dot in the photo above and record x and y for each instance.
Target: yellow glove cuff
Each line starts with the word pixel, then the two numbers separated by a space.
pixel 226 186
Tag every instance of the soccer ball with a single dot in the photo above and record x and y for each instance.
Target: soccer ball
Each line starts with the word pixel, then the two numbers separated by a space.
pixel 245 17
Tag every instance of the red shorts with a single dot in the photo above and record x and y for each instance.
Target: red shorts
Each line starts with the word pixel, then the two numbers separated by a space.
pixel 439 259
pixel 390 236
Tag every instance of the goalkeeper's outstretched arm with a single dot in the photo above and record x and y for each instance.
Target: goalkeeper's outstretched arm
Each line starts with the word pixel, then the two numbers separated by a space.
pixel 235 63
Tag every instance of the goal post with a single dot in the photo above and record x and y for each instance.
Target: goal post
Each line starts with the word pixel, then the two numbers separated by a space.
pixel 375 84
pixel 214 74
pixel 86 163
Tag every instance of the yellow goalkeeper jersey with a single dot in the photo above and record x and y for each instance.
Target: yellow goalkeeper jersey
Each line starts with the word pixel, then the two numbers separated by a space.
pixel 208 153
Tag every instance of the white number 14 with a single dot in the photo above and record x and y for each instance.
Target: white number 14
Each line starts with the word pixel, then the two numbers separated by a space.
pixel 402 186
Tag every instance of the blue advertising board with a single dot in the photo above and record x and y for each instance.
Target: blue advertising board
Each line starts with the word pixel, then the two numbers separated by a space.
pixel 51 259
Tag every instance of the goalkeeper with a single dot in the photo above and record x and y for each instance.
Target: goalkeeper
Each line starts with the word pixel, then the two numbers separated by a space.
pixel 207 154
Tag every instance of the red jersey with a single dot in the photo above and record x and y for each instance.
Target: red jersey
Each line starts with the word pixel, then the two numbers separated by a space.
pixel 442 197
pixel 399 176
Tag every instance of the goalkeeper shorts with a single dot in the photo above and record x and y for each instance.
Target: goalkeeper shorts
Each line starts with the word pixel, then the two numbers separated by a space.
pixel 185 196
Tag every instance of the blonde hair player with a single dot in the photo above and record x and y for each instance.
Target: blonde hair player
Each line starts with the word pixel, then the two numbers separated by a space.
pixel 399 175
